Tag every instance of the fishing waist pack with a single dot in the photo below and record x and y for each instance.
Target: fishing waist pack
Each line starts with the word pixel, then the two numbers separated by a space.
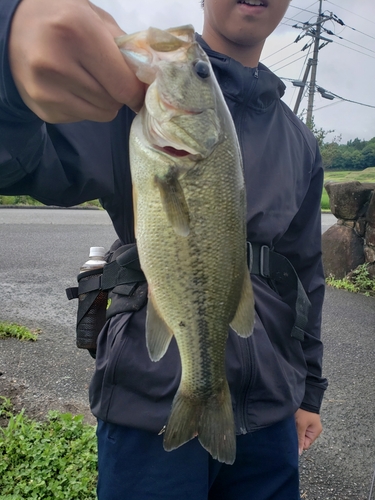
pixel 120 286
pixel 283 278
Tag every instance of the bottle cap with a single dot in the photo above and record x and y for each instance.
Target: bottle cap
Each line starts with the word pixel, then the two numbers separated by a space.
pixel 97 252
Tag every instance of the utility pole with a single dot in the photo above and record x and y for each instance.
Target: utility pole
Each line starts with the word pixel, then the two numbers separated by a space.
pixel 314 67
pixel 314 30
pixel 302 88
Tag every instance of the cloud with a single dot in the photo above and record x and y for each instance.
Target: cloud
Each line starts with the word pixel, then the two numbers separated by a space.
pixel 346 66
pixel 135 16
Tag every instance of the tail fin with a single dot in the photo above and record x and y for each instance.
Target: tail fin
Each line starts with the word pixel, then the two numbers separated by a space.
pixel 210 419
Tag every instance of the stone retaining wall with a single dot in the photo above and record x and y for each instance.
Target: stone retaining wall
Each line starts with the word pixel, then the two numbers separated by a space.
pixel 351 241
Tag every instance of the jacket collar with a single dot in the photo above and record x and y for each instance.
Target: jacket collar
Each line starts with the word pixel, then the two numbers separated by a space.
pixel 257 87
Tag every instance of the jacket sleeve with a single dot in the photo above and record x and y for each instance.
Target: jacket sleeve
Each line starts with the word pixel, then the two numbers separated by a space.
pixel 301 244
pixel 56 164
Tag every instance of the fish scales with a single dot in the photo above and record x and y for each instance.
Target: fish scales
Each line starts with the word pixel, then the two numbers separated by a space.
pixel 189 204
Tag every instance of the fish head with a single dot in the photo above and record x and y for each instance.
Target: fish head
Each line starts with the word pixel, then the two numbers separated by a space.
pixel 181 111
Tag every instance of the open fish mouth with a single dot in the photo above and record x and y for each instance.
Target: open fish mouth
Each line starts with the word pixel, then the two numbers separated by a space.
pixel 178 153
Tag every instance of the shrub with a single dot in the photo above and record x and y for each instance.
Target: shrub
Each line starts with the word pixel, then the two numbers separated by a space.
pixel 55 459
pixel 358 281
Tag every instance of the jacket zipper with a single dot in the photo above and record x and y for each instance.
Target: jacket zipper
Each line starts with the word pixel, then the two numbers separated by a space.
pixel 245 103
pixel 247 357
pixel 247 360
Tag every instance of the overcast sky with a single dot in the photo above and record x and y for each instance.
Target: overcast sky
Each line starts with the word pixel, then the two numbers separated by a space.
pixel 346 65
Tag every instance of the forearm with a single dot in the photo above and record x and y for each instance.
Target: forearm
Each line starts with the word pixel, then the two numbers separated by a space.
pixel 21 131
pixel 60 64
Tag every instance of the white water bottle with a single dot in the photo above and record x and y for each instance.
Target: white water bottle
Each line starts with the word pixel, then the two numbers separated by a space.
pixel 96 259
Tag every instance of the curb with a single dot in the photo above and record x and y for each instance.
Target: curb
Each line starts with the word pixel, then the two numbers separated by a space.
pixel 51 207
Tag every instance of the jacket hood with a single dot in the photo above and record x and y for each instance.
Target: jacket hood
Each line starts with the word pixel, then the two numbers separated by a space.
pixel 236 80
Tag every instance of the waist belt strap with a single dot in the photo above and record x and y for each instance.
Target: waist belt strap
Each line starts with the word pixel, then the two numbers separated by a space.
pixel 124 271
pixel 274 266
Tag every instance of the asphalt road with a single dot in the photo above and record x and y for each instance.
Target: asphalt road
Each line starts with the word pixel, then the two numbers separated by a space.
pixel 41 252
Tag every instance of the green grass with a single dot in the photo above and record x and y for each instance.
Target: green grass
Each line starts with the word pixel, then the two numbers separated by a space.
pixel 358 281
pixel 23 200
pixel 367 175
pixel 50 460
pixel 19 332
pixel 324 203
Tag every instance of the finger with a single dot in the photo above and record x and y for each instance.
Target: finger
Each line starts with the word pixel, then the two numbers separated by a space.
pixel 107 65
pixel 52 86
pixel 109 21
pixel 301 440
pixel 307 443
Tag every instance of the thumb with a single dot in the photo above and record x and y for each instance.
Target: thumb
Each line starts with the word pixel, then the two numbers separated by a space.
pixel 108 20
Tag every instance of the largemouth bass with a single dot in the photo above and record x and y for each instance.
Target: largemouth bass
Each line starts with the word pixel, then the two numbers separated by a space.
pixel 189 205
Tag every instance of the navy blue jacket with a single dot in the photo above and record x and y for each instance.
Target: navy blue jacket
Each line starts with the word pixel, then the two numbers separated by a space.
pixel 271 374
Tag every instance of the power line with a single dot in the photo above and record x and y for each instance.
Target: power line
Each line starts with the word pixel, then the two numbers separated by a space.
pixel 353 43
pixel 329 105
pixel 355 50
pixel 282 67
pixel 350 100
pixel 358 31
pixel 321 90
pixel 304 10
pixel 351 12
pixel 274 53
pixel 285 58
pixel 331 33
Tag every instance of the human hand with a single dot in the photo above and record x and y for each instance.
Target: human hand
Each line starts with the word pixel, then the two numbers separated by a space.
pixel 309 427
pixel 66 64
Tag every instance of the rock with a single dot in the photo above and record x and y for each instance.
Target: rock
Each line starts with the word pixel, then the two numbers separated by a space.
pixel 370 235
pixel 351 241
pixel 360 226
pixel 370 216
pixel 342 251
pixel 348 199
pixel 369 253
pixel 371 270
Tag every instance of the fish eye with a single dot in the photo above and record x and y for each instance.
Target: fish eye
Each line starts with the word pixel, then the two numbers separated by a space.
pixel 202 69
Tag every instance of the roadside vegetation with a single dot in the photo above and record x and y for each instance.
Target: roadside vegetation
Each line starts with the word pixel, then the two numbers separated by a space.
pixel 21 200
pixel 358 281
pixel 19 332
pixel 50 460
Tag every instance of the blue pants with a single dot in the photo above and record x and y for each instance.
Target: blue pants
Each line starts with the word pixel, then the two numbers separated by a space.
pixel 134 466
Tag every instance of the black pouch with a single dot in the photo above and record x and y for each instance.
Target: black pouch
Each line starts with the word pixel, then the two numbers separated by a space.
pixel 92 304
pixel 120 286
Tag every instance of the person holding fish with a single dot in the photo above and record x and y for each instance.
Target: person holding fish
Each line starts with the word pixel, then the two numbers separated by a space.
pixel 213 388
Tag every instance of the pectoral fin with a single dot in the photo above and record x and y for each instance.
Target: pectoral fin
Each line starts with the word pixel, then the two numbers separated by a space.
pixel 174 203
pixel 158 335
pixel 243 321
